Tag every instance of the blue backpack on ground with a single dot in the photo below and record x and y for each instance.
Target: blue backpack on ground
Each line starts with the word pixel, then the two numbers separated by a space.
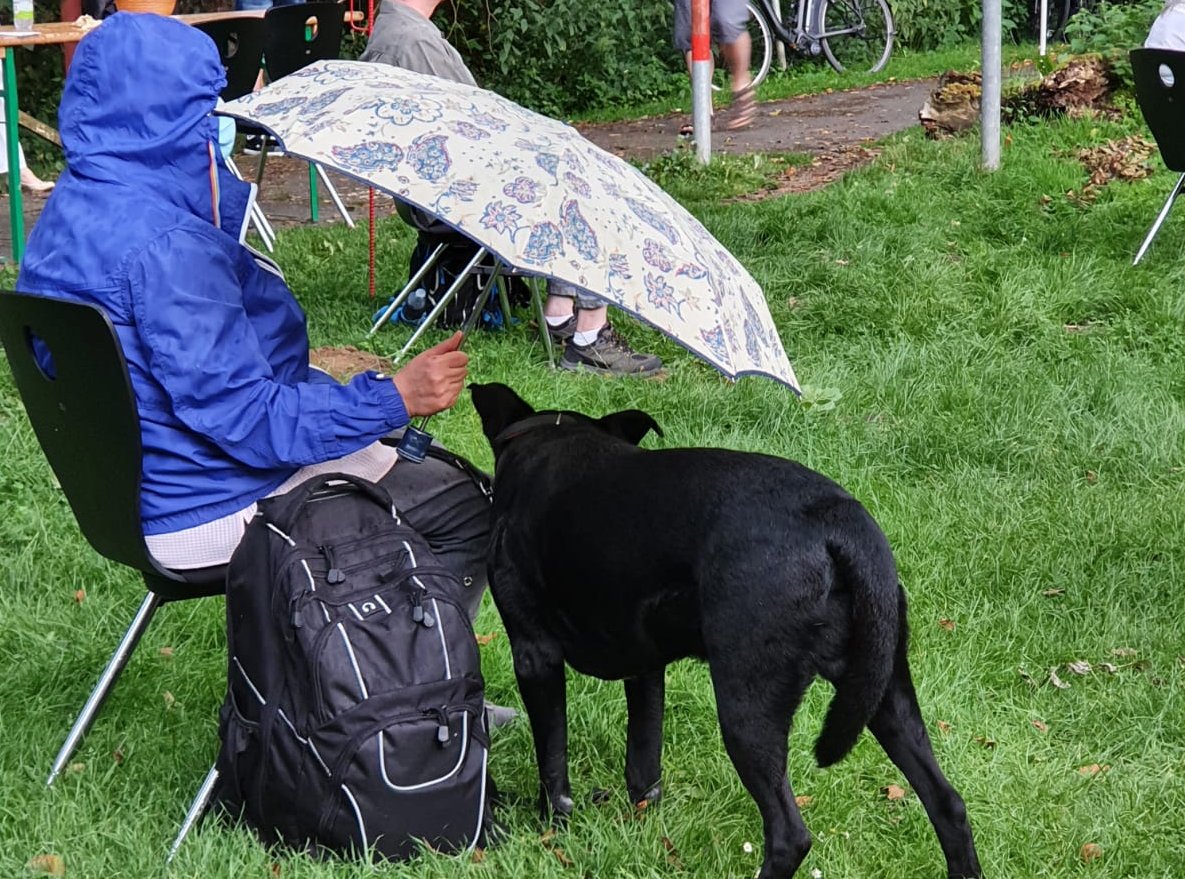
pixel 354 715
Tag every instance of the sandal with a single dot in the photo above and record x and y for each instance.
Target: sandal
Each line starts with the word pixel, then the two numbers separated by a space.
pixel 740 112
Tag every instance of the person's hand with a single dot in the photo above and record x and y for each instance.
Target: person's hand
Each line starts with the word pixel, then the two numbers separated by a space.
pixel 432 381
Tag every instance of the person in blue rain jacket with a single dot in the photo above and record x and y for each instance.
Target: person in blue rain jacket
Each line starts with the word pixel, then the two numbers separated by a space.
pixel 147 223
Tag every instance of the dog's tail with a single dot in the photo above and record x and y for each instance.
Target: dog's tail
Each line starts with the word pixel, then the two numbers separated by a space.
pixel 868 574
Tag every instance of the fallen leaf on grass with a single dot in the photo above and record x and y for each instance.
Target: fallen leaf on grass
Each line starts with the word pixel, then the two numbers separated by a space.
pixel 803 800
pixel 1054 593
pixel 479 855
pixel 1123 651
pixel 747 848
pixel 1093 769
pixel 117 755
pixel 170 700
pixel 166 652
pixel 274 869
pixel 483 640
pixel 949 625
pixel 1040 725
pixel 75 768
pixel 943 727
pixel 1080 667
pixel 893 792
pixel 1090 852
pixel 672 854
pixel 51 865
pixel 985 742
pixel 562 856
pixel 1056 681
pixel 548 835
pixel 79 596
pixel 1108 668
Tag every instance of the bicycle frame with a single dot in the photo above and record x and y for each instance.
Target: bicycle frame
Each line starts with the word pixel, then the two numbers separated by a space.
pixel 806 34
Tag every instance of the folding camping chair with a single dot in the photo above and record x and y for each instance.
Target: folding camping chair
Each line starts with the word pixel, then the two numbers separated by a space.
pixel 294 37
pixel 240 47
pixel 477 266
pixel 1160 91
pixel 72 377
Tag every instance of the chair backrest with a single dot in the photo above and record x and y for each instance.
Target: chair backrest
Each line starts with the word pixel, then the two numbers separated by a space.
pixel 240 46
pixel 1160 91
pixel 72 377
pixel 297 35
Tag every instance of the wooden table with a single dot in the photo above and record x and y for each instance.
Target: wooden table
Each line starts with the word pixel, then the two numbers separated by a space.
pixel 57 33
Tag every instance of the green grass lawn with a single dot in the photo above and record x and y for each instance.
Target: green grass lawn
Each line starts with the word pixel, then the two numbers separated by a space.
pixel 989 375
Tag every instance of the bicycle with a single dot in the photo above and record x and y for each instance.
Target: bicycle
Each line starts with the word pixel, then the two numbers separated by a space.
pixel 850 34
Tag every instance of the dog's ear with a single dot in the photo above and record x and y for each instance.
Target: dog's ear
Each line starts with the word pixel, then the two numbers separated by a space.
pixel 630 425
pixel 498 407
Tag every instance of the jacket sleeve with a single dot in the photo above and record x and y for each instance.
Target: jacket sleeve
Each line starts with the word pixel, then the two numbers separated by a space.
pixel 202 347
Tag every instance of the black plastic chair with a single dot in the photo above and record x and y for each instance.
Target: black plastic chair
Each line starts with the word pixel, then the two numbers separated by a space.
pixel 82 409
pixel 294 37
pixel 240 48
pixel 1160 91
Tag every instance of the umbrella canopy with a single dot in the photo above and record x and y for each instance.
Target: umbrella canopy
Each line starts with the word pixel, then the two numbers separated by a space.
pixel 536 193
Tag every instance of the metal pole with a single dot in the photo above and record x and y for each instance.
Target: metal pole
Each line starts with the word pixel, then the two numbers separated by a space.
pixel 701 79
pixel 989 106
pixel 1044 27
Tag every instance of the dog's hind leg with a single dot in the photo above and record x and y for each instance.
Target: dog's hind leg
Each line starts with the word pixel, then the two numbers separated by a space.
pixel 643 742
pixel 755 706
pixel 899 728
pixel 539 669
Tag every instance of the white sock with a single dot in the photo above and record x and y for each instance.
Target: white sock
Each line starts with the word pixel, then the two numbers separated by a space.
pixel 555 320
pixel 587 337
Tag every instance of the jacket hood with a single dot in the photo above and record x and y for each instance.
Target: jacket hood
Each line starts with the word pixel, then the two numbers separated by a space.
pixel 135 112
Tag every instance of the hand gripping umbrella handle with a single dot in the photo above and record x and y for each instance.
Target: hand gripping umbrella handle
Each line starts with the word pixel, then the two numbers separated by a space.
pixel 414 443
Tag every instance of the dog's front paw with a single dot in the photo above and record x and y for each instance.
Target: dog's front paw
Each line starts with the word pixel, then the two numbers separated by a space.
pixel 555 809
pixel 647 798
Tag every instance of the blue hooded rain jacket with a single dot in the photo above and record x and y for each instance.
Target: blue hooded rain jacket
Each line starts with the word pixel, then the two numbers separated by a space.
pixel 148 225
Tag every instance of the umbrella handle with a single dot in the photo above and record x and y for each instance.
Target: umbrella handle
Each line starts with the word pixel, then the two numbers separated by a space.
pixel 414 443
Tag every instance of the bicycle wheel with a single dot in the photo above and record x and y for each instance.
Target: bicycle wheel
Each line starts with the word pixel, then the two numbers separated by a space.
pixel 856 35
pixel 760 56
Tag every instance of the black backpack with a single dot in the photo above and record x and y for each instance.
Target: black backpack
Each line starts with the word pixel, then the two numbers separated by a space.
pixel 457 255
pixel 354 715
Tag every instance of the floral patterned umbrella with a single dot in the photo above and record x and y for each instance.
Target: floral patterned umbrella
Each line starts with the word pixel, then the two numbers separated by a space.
pixel 535 192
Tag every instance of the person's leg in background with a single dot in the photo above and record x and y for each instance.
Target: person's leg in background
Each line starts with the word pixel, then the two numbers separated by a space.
pixel 68 10
pixel 580 322
pixel 29 180
pixel 730 29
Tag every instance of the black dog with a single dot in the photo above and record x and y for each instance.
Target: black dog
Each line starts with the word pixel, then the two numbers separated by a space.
pixel 767 570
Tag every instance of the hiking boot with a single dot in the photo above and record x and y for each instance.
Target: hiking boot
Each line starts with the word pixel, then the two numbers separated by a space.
pixel 609 355
pixel 563 334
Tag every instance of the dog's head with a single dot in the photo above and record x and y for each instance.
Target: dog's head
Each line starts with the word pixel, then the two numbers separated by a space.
pixel 505 415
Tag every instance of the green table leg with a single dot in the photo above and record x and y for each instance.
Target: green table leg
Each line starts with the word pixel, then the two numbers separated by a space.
pixel 16 208
pixel 312 193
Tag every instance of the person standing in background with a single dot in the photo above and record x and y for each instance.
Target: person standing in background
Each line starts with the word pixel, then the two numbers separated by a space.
pixel 404 36
pixel 730 30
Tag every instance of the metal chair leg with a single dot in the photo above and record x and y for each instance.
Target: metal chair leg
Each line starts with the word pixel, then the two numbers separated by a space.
pixel 444 300
pixel 266 233
pixel 408 287
pixel 1160 218
pixel 106 681
pixel 196 809
pixel 537 299
pixel 337 199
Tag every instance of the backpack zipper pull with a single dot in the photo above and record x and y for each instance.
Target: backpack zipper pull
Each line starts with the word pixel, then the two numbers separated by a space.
pixel 418 614
pixel 335 575
pixel 443 731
